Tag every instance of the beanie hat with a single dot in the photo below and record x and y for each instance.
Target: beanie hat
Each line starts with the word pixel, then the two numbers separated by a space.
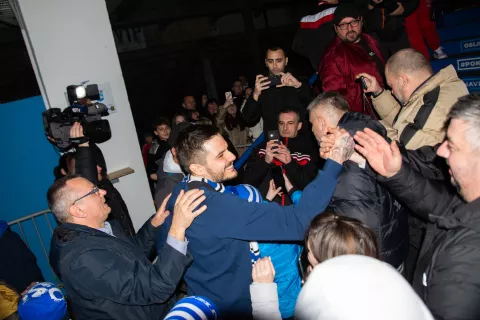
pixel 345 10
pixel 43 301
pixel 354 287
pixel 194 307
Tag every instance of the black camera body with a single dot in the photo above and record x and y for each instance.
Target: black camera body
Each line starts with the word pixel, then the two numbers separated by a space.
pixel 57 123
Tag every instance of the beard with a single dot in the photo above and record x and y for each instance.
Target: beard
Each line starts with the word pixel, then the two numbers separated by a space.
pixel 224 175
pixel 352 36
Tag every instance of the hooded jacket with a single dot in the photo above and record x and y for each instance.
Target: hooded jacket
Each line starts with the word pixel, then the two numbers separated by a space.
pixel 169 174
pixel 110 277
pixel 342 62
pixel 420 121
pixel 359 195
pixel 354 287
pixel 446 276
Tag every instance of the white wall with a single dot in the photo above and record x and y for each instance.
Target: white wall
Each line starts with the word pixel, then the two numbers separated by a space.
pixel 71 42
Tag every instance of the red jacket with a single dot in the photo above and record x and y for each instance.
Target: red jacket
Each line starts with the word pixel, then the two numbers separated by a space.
pixel 342 62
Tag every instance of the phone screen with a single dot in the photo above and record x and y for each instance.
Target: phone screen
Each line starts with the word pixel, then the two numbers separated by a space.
pixel 228 95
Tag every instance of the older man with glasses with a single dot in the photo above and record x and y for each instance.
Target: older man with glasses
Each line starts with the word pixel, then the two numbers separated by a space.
pixel 348 53
pixel 107 274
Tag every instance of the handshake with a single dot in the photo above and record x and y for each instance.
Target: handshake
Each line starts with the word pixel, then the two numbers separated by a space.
pixel 337 145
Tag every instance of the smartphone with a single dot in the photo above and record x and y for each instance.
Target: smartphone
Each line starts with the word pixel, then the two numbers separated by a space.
pixel 363 82
pixel 274 81
pixel 278 179
pixel 302 266
pixel 275 136
pixel 228 95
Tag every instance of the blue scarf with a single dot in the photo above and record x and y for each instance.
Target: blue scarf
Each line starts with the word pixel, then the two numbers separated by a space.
pixel 244 191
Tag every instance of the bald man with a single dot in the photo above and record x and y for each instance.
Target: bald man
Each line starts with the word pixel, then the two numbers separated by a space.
pixel 423 99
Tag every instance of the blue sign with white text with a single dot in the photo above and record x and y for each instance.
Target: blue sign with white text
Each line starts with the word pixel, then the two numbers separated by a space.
pixel 470 45
pixel 468 64
pixel 473 84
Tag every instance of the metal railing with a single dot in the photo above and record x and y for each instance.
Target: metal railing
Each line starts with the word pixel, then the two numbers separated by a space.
pixel 38 215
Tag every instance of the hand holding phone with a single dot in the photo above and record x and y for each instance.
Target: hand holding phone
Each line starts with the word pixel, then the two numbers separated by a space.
pixel 228 99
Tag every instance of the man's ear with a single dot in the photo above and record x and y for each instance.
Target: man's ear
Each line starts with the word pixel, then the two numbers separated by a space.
pixel 404 80
pixel 300 124
pixel 197 170
pixel 62 171
pixel 77 212
pixel 286 60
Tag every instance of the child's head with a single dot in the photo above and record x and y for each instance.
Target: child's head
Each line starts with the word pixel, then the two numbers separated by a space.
pixel 332 235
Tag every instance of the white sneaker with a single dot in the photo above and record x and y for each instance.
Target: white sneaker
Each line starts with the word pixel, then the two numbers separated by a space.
pixel 439 54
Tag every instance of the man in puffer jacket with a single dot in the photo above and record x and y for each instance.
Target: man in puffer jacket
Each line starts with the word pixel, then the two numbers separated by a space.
pixel 358 194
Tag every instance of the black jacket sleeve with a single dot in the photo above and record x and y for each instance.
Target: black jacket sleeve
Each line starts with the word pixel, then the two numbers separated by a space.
pixel 355 196
pixel 252 111
pixel 127 281
pixel 85 164
pixel 454 285
pixel 145 238
pixel 426 161
pixel 300 175
pixel 421 195
pixel 256 169
pixel 304 93
pixel 409 6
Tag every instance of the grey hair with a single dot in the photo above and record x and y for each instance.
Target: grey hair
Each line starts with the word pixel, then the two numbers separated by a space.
pixel 408 61
pixel 60 198
pixel 331 100
pixel 467 109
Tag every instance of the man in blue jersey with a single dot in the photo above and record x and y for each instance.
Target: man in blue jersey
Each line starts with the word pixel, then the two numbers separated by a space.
pixel 219 238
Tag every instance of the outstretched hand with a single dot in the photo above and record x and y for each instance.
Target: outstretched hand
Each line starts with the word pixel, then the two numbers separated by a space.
pixel 263 271
pixel 273 191
pixel 383 157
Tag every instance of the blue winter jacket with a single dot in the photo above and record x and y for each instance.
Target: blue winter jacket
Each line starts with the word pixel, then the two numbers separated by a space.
pixel 219 237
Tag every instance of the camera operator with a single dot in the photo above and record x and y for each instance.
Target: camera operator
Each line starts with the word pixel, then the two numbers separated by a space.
pixel 88 161
pixel 266 101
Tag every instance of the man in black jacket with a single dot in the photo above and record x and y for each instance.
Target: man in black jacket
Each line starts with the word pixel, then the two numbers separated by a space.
pixel 446 277
pixel 266 101
pixel 358 194
pixel 106 273
pixel 294 153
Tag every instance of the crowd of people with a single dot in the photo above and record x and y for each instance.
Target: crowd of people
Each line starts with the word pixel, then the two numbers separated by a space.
pixel 285 201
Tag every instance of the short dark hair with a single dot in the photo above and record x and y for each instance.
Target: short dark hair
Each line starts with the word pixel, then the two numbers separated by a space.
pixel 291 110
pixel 329 99
pixel 160 122
pixel 275 48
pixel 190 144
pixel 60 198
pixel 331 235
pixel 408 61
pixel 63 163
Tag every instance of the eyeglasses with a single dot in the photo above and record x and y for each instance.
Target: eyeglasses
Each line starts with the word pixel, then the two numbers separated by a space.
pixel 95 190
pixel 353 23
